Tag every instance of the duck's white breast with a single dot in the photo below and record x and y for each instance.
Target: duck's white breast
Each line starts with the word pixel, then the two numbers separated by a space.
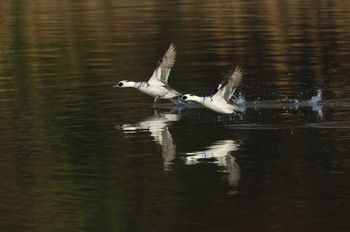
pixel 153 90
pixel 219 106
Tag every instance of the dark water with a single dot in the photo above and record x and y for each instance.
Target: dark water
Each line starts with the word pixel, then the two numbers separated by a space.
pixel 78 155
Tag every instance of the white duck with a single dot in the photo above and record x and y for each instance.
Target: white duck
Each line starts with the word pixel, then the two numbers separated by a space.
pixel 220 101
pixel 157 86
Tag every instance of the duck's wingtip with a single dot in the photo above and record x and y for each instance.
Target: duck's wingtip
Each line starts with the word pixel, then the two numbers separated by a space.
pixel 238 69
pixel 172 46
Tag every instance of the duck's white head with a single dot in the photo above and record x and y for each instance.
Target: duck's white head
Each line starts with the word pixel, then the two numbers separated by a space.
pixel 191 97
pixel 123 84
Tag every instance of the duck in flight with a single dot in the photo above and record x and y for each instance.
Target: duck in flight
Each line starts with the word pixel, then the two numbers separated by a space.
pixel 220 101
pixel 157 86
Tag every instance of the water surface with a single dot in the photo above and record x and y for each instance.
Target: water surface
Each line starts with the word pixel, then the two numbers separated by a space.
pixel 79 155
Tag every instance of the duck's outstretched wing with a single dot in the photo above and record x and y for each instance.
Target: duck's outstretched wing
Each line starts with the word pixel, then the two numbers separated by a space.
pixel 230 82
pixel 163 68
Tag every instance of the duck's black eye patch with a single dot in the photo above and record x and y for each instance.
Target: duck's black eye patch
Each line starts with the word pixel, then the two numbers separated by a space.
pixel 184 97
pixel 120 84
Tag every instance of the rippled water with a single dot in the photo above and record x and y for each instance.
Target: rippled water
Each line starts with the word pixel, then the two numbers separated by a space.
pixel 79 155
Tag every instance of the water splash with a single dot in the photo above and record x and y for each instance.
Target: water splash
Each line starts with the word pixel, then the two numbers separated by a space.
pixel 316 99
pixel 240 100
pixel 314 102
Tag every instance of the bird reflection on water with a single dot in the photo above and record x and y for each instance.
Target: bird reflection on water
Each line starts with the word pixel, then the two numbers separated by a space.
pixel 218 153
pixel 158 126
